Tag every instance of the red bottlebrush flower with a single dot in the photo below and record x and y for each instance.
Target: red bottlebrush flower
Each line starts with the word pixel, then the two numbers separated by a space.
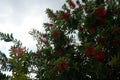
pixel 65 15
pixel 100 12
pixel 72 4
pixel 96 57
pixel 99 56
pixel 44 40
pixel 55 34
pixel 81 29
pixel 90 51
pixel 60 52
pixel 63 65
pixel 18 52
pixel 48 24
pixel 92 29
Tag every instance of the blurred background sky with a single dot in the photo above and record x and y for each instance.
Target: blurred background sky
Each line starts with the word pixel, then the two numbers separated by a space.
pixel 20 16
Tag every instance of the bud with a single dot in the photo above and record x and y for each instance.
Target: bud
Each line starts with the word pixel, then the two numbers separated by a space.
pixel 72 4
pixel 44 40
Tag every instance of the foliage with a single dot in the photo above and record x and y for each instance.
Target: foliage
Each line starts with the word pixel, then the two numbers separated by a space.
pixel 4 77
pixel 6 37
pixel 3 61
pixel 17 63
pixel 81 42
pixel 3 66
pixel 3 58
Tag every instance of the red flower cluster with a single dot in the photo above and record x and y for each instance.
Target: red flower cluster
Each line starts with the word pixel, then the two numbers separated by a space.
pixel 90 51
pixel 63 65
pixel 18 52
pixel 55 34
pixel 65 15
pixel 100 14
pixel 44 40
pixel 72 4
pixel 98 54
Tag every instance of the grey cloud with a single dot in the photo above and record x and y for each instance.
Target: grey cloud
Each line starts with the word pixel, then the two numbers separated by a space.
pixel 17 10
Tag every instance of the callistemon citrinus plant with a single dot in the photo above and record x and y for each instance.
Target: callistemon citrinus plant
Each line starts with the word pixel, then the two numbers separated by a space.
pixel 18 63
pixel 82 42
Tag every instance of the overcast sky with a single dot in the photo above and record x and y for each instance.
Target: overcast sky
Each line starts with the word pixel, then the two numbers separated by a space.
pixel 20 16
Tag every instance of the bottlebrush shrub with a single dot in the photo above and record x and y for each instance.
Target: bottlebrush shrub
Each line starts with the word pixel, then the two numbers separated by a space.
pixel 82 42
pixel 18 63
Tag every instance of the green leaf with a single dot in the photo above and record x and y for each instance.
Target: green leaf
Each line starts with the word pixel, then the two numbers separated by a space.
pixel 115 61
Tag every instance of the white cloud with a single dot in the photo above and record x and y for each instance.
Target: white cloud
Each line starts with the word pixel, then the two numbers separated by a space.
pixel 20 16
